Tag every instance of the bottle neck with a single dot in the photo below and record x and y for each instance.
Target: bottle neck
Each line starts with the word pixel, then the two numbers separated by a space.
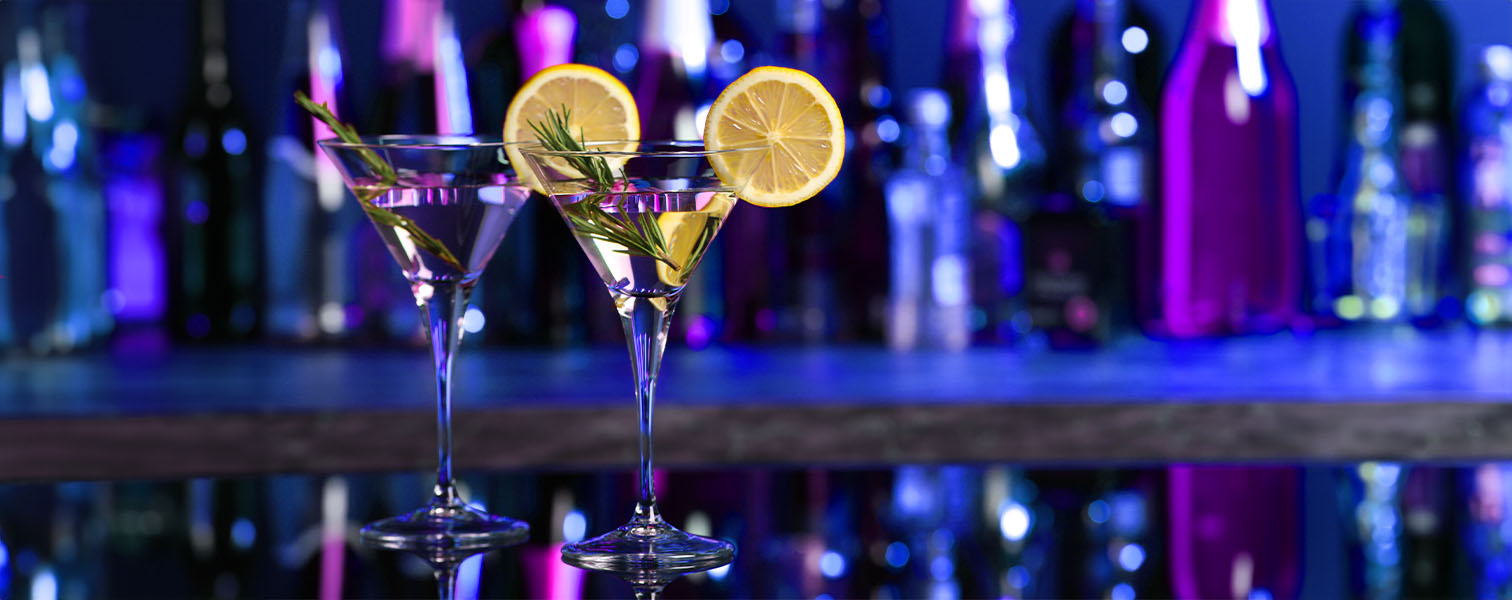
pixel 1110 59
pixel 1234 22
pixel 680 29
pixel 214 64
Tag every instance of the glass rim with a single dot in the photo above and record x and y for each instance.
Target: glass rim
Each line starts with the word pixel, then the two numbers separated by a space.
pixel 667 148
pixel 420 141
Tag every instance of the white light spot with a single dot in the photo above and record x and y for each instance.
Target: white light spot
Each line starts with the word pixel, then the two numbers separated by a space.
pixel 473 320
pixel 1014 522
pixel 574 527
pixel 332 317
pixel 1003 143
pixel 1135 40
pixel 1115 92
pixel 44 585
pixel 1131 556
pixel 1124 124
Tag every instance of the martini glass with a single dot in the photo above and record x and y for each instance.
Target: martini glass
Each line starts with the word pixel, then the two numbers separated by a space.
pixel 441 214
pixel 645 234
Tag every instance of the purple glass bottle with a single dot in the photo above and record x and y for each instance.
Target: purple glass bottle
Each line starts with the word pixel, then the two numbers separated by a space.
pixel 1229 209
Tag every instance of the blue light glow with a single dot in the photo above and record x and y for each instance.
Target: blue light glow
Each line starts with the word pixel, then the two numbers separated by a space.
pixel 732 51
pixel 1261 594
pixel 879 96
pixel 1115 92
pixel 1122 591
pixel 243 533
pixel 888 130
pixel 625 58
pixel 12 109
pixel 941 568
pixel 197 212
pixel 1135 40
pixel 720 572
pixel 44 585
pixel 1123 124
pixel 1093 192
pixel 329 61
pixel 473 320
pixel 1018 577
pixel 234 141
pixel 574 527
pixel 831 564
pixel 718 7
pixel 896 555
pixel 1014 522
pixel 616 9
pixel 1131 556
pixel 1098 510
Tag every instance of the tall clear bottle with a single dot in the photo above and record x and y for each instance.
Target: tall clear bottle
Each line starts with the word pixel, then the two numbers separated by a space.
pixel 217 272
pixel 308 215
pixel 1368 236
pixel 1488 191
pixel 1003 157
pixel 1229 212
pixel 928 220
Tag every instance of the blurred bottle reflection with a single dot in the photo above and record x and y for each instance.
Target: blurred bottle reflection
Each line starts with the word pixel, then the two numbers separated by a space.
pixel 1488 185
pixel 1229 211
pixel 929 220
pixel 1235 532
pixel 1003 157
pixel 217 273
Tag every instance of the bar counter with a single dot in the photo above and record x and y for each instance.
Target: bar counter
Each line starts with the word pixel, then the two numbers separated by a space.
pixel 1328 396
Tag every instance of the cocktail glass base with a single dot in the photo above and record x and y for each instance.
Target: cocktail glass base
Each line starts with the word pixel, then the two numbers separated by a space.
pixel 443 530
pixel 641 550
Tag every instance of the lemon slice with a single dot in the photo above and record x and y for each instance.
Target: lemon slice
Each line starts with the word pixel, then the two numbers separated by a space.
pixel 789 111
pixel 601 109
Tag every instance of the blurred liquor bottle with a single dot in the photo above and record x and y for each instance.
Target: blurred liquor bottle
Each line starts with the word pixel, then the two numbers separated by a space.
pixel 1487 544
pixel 424 91
pixel 67 144
pixel 928 225
pixel 1369 253
pixel 803 294
pixel 1233 532
pixel 33 268
pixel 862 235
pixel 217 272
pixel 672 92
pixel 1229 215
pixel 1104 149
pixel 1371 498
pixel 1425 57
pixel 533 288
pixel 1488 185
pixel 307 214
pixel 1005 163
pixel 12 136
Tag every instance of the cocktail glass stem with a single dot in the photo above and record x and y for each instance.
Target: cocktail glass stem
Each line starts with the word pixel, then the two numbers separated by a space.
pixel 647 321
pixel 443 312
pixel 446 581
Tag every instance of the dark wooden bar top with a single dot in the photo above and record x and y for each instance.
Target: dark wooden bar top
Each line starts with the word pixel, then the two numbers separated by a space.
pixel 1329 396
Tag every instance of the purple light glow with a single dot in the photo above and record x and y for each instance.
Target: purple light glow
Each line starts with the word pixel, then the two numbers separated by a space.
pixel 137 260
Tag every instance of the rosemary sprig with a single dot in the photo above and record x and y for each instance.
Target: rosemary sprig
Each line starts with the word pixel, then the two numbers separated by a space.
pixel 387 178
pixel 640 236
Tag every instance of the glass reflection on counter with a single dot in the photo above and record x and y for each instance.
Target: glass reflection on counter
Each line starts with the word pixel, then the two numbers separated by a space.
pixel 915 531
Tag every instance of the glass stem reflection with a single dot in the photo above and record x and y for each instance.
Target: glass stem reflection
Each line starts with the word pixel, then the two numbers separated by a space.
pixel 443 314
pixel 646 320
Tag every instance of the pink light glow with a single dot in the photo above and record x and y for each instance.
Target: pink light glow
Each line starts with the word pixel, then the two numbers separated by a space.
pixel 544 38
